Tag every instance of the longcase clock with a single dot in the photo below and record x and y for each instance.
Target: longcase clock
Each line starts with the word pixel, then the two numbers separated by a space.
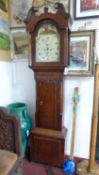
pixel 49 45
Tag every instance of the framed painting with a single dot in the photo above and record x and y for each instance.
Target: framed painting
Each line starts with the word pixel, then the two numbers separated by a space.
pixel 82 52
pixel 4 45
pixel 18 11
pixel 86 9
pixel 19 45
pixel 4 32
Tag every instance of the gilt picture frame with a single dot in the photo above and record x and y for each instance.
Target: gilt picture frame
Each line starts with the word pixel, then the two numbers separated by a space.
pixel 82 45
pixel 86 9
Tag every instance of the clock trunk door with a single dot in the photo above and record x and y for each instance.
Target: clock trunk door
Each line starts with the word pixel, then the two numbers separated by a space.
pixel 48 108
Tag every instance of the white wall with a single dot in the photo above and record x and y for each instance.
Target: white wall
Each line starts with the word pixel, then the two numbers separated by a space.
pixel 17 84
pixel 23 85
pixel 5 83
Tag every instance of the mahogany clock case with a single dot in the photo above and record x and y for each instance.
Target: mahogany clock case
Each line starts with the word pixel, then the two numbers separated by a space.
pixel 49 75
pixel 47 139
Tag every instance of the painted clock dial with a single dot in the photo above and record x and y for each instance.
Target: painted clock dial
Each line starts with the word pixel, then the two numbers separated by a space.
pixel 47 44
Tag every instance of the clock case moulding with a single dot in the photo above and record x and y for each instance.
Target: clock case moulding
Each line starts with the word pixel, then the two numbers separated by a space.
pixel 62 21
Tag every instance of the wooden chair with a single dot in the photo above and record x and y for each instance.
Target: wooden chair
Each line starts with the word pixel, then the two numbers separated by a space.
pixel 10 145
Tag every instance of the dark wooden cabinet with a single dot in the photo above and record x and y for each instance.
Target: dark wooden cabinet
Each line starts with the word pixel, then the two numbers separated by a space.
pixel 49 45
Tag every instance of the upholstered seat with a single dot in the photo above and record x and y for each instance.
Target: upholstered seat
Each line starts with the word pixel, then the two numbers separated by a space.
pixel 7 161
pixel 10 145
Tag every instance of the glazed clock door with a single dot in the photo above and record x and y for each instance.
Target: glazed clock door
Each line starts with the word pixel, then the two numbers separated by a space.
pixel 47 44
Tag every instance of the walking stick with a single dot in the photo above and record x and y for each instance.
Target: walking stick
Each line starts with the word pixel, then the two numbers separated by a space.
pixel 69 165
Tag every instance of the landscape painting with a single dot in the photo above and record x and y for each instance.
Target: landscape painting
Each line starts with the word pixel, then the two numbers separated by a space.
pixel 4 40
pixel 4 32
pixel 81 52
pixel 4 37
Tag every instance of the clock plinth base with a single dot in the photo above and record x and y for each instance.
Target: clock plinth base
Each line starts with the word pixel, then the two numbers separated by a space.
pixel 47 146
pixel 82 169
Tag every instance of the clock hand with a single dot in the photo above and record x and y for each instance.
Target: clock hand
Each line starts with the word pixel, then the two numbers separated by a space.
pixel 47 51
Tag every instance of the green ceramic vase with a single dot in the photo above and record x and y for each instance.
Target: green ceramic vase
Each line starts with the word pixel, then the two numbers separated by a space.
pixel 20 110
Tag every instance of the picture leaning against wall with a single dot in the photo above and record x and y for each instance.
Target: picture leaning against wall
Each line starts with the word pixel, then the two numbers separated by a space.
pixel 19 44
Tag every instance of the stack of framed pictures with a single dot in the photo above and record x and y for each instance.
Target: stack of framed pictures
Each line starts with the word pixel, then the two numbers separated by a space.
pixel 17 14
pixel 83 39
pixel 19 42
